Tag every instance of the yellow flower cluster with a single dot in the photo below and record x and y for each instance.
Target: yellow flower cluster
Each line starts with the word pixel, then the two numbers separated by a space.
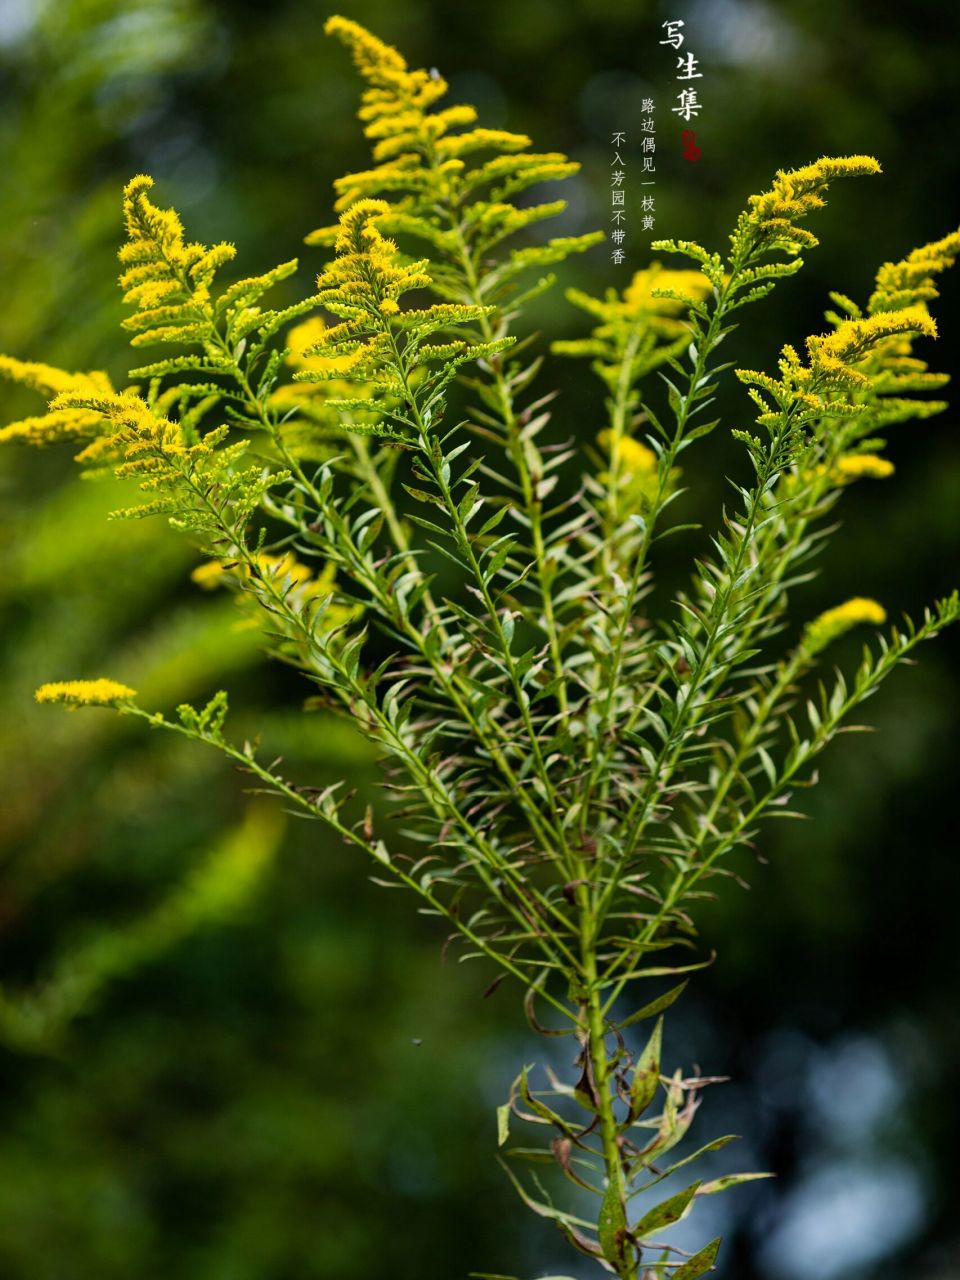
pixel 135 433
pixel 766 242
pixel 655 299
pixel 662 294
pixel 909 284
pixel 302 338
pixel 832 368
pixel 367 277
pixel 415 151
pixel 209 575
pixel 844 470
pixel 832 356
pixel 164 278
pixel 912 280
pixel 797 192
pixel 170 284
pixel 181 470
pixel 55 424
pixel 85 693
pixel 362 286
pixel 834 622
pixel 424 163
pixel 769 222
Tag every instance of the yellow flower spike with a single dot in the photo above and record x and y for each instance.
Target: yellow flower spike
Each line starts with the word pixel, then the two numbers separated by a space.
pixel 301 338
pixel 832 355
pixel 863 466
pixel 305 338
pixel 315 400
pixel 848 469
pixel 377 61
pixel 462 144
pixel 85 693
pixel 424 162
pixel 57 423
pixel 44 378
pixel 646 299
pixel 357 232
pixel 362 286
pixel 769 221
pixel 146 223
pixel 795 192
pixel 451 117
pixel 899 284
pixel 167 280
pixel 835 622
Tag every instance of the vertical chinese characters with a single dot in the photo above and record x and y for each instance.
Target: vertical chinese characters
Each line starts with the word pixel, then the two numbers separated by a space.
pixel 618 198
pixel 648 147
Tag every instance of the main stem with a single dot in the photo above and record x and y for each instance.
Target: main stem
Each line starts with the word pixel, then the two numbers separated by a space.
pixel 594 1031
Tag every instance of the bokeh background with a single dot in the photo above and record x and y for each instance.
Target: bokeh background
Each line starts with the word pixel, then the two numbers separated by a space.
pixel 225 1055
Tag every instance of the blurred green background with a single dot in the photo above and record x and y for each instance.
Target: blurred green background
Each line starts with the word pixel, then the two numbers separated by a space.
pixel 264 1071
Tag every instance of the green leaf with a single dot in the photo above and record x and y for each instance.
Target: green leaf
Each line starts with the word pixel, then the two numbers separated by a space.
pixel 503 1124
pixel 656 1006
pixel 646 1076
pixel 612 1225
pixel 731 1180
pixel 539 1207
pixel 699 1264
pixel 492 523
pixel 667 1212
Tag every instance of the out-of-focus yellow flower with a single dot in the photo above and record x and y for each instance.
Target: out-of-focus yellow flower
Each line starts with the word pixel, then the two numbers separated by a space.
pixel 834 622
pixel 634 457
pixel 85 693
pixel 857 466
pixel 847 469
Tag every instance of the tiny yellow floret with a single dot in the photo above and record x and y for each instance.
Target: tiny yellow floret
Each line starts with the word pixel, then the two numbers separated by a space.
pixel 85 693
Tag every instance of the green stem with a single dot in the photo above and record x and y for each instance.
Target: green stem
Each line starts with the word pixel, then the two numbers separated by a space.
pixel 594 1031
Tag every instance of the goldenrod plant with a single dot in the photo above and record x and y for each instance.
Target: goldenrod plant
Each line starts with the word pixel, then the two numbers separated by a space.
pixel 571 759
